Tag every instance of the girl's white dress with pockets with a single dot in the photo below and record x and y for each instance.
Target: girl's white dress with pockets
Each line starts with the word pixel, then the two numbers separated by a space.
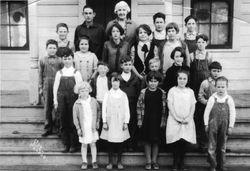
pixel 115 111
pixel 89 135
pixel 182 100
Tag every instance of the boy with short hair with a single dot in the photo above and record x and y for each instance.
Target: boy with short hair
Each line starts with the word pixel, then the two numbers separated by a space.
pixel 207 88
pixel 219 119
pixel 64 98
pixel 62 31
pixel 48 66
pixel 159 34
pixel 131 85
pixel 91 29
pixel 154 64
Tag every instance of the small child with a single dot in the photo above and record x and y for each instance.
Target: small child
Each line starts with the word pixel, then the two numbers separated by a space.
pixel 115 116
pixel 143 50
pixel 207 88
pixel 100 83
pixel 86 115
pixel 159 34
pixel 48 66
pixel 100 86
pixel 178 55
pixel 180 124
pixel 62 31
pixel 190 35
pixel 200 61
pixel 85 61
pixel 115 49
pixel 219 119
pixel 64 98
pixel 151 117
pixel 154 64
pixel 131 85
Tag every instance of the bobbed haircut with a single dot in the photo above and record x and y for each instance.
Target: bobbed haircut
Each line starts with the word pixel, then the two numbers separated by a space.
pixel 178 49
pixel 172 25
pixel 126 59
pixel 116 25
pixel 144 27
pixel 154 75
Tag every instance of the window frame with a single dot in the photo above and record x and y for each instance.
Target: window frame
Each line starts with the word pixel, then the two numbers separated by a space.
pixel 229 45
pixel 26 47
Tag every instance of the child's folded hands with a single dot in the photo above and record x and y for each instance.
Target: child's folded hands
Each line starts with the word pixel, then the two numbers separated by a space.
pixel 125 126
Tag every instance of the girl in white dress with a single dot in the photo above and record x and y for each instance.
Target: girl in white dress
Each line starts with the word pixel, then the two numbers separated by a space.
pixel 180 124
pixel 86 115
pixel 115 117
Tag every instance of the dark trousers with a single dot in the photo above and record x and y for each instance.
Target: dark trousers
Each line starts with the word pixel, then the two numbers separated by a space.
pixel 179 150
pixel 114 148
pixel 199 125
pixel 48 105
pixel 65 106
pixel 132 126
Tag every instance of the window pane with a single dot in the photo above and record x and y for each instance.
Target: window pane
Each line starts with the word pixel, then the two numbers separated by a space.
pixel 219 34
pixel 5 36
pixel 202 11
pixel 18 36
pixel 17 13
pixel 219 12
pixel 204 29
pixel 4 13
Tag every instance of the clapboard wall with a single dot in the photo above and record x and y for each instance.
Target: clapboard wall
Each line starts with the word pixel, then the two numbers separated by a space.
pixel 15 65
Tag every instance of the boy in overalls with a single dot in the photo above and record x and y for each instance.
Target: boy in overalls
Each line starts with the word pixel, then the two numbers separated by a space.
pixel 64 98
pixel 219 119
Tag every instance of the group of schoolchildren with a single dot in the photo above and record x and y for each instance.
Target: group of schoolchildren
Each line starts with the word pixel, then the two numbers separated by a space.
pixel 136 90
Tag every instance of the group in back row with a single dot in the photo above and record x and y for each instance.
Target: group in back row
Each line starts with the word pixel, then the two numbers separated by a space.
pixel 133 102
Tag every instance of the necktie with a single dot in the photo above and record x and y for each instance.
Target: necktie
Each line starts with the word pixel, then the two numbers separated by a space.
pixel 145 50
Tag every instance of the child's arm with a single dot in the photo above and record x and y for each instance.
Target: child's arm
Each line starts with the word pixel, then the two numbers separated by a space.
pixel 140 109
pixel 208 109
pixel 78 77
pixel 188 59
pixel 192 109
pixel 55 88
pixel 127 113
pixel 41 70
pixel 202 92
pixel 76 120
pixel 164 114
pixel 156 52
pixel 171 106
pixel 95 61
pixel 232 112
pixel 104 112
pixel 98 118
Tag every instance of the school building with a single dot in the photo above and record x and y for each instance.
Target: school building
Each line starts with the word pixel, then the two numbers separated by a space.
pixel 23 38
pixel 27 24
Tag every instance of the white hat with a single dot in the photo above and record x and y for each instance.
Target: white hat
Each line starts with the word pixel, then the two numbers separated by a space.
pixel 121 4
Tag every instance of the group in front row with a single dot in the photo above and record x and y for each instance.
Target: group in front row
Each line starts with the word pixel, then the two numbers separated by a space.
pixel 138 83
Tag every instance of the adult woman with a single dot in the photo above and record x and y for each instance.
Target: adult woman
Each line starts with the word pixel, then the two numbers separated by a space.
pixel 121 10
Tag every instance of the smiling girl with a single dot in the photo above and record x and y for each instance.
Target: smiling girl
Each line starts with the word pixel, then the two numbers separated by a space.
pixel 180 124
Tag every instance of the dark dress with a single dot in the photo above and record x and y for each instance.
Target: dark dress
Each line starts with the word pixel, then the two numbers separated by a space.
pixel 152 118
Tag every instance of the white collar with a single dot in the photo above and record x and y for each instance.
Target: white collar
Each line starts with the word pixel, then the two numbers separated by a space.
pixel 142 43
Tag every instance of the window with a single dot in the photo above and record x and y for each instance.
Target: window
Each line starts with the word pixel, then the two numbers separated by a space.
pixel 14 25
pixel 215 20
